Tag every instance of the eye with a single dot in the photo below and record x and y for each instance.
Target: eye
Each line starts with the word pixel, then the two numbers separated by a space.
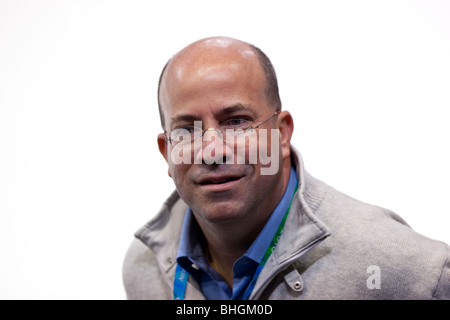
pixel 235 123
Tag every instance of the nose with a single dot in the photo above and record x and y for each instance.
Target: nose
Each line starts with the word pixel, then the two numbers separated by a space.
pixel 214 148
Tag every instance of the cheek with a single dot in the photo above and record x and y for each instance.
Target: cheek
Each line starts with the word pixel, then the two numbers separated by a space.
pixel 246 148
pixel 256 149
pixel 269 151
pixel 178 173
pixel 268 142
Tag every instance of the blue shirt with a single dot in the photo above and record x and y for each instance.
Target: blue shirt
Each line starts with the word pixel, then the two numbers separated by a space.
pixel 191 256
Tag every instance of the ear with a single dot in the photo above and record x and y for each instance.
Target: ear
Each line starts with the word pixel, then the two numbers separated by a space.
pixel 163 148
pixel 286 127
pixel 162 144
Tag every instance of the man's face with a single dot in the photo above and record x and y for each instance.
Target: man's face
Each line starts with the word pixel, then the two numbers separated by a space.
pixel 215 90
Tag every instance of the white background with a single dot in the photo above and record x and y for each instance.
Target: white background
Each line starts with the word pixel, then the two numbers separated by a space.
pixel 368 84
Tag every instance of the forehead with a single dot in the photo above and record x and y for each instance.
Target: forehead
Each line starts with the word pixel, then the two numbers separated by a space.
pixel 206 85
pixel 204 79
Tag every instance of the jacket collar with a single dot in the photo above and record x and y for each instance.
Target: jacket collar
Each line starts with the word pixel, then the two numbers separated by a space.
pixel 302 229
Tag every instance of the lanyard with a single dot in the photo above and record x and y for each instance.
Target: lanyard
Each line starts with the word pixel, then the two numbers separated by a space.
pixel 181 275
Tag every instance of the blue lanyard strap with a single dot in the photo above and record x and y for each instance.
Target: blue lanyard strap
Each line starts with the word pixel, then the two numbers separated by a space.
pixel 181 275
pixel 180 283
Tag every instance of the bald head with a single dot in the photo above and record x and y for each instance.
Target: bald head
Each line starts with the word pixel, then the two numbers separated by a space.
pixel 207 59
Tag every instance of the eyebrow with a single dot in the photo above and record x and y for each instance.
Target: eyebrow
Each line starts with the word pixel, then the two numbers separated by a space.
pixel 222 112
pixel 184 117
pixel 235 108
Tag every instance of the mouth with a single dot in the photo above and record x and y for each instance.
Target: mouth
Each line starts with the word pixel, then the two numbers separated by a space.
pixel 219 183
pixel 218 180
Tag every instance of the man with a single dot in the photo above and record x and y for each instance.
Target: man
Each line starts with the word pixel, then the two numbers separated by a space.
pixel 234 229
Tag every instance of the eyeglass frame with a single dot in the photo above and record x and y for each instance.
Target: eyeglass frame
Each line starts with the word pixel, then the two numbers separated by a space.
pixel 168 139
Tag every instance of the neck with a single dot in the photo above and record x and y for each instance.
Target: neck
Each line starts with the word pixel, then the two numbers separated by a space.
pixel 227 242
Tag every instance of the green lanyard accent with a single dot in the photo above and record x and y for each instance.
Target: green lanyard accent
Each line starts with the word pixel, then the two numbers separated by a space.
pixel 269 251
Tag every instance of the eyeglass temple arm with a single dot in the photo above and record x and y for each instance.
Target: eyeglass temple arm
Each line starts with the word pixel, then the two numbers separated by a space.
pixel 275 114
pixel 168 139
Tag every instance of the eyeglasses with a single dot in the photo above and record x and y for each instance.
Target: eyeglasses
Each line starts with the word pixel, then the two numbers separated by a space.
pixel 233 127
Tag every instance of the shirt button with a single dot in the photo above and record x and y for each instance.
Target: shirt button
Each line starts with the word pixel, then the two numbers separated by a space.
pixel 195 266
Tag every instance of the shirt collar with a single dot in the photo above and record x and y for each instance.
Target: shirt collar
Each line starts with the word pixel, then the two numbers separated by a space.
pixel 190 242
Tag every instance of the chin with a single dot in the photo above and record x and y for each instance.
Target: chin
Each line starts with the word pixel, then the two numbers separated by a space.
pixel 222 212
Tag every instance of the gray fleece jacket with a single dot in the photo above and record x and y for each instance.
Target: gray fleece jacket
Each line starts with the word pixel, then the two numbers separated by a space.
pixel 332 247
